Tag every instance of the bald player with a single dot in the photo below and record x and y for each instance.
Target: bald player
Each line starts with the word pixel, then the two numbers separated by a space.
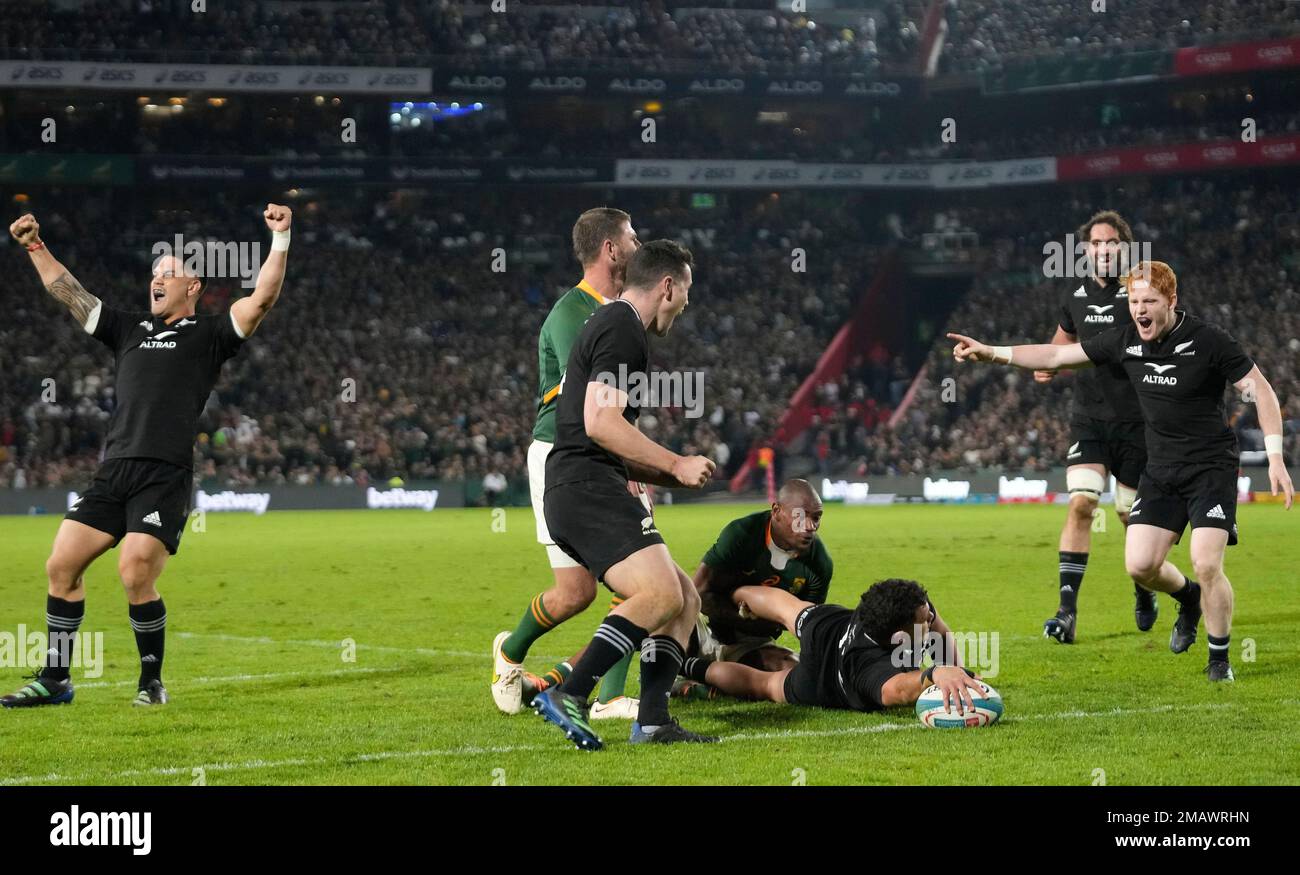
pixel 168 358
pixel 777 547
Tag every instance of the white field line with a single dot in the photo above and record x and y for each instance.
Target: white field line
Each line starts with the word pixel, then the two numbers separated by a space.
pixel 380 756
pixel 485 654
pixel 238 678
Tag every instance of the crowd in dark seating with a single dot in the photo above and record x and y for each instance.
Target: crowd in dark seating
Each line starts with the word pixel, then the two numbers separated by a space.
pixel 396 351
pixel 643 35
pixel 988 34
pixel 1232 241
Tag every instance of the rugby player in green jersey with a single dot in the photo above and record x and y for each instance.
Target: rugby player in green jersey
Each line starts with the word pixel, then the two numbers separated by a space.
pixel 603 241
pixel 777 547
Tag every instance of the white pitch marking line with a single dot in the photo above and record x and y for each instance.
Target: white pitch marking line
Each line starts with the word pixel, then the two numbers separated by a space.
pixel 484 654
pixel 237 678
pixel 507 749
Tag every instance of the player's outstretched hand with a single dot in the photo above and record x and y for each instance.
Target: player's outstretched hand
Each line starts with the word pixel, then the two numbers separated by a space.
pixel 1044 376
pixel 25 230
pixel 1280 478
pixel 278 218
pixel 693 471
pixel 969 349
pixel 955 685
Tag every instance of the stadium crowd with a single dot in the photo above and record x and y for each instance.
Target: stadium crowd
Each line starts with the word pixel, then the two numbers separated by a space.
pixel 1233 242
pixel 423 364
pixel 984 34
pixel 644 34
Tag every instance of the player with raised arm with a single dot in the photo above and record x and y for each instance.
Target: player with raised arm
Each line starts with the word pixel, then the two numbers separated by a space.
pixel 603 241
pixel 777 547
pixel 1180 367
pixel 863 659
pixel 168 358
pixel 594 519
pixel 1106 432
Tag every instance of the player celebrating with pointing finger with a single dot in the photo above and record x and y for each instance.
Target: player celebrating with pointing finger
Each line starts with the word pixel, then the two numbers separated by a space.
pixel 1180 367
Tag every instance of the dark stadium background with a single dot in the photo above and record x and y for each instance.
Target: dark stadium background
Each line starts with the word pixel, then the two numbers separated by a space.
pixel 492 130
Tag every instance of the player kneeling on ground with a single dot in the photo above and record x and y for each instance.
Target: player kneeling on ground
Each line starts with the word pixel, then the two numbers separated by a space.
pixel 862 658
pixel 1180 367
pixel 776 548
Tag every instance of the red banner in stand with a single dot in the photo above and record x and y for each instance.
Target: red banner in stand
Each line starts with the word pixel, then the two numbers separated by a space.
pixel 1234 58
pixel 1187 158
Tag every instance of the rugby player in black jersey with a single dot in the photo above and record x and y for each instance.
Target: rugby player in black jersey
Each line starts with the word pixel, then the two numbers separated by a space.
pixel 861 659
pixel 594 519
pixel 167 360
pixel 1106 432
pixel 1180 367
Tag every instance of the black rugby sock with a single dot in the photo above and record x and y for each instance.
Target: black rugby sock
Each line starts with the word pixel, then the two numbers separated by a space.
pixel 614 639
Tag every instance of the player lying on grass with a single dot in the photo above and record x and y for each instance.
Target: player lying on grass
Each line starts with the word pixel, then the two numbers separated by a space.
pixel 168 359
pixel 1180 367
pixel 864 658
pixel 777 547
pixel 603 241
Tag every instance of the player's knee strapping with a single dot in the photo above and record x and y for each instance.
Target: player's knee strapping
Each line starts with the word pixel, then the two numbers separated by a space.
pixel 1085 481
pixel 1124 498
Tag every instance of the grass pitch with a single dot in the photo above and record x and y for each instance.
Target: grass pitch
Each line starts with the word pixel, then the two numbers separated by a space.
pixel 260 610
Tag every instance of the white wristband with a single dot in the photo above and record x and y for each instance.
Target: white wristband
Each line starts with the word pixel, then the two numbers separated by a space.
pixel 280 241
pixel 1273 444
pixel 999 352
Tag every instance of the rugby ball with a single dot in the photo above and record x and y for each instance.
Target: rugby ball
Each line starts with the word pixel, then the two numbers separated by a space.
pixel 988 709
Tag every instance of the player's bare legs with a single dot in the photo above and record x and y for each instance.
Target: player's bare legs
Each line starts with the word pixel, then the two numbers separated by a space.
pixel 775 658
pixel 141 561
pixel 1208 545
pixel 770 603
pixel 744 682
pixel 1145 553
pixel 76 546
pixel 1086 482
pixel 1076 534
pixel 659 612
pixel 574 589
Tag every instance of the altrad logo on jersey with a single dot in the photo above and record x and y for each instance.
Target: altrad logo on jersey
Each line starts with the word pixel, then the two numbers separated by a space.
pixel 1159 378
pixel 1099 313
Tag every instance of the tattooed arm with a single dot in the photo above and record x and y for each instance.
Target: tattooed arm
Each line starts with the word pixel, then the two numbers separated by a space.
pixel 61 285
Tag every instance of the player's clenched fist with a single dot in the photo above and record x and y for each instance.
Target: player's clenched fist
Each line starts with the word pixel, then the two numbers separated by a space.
pixel 25 230
pixel 693 471
pixel 277 217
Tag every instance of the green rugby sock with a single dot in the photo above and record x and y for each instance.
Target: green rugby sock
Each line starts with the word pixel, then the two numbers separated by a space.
pixel 558 675
pixel 614 682
pixel 532 625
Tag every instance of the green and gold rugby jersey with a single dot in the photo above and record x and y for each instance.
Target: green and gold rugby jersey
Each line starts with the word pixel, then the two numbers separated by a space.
pixel 559 331
pixel 745 555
